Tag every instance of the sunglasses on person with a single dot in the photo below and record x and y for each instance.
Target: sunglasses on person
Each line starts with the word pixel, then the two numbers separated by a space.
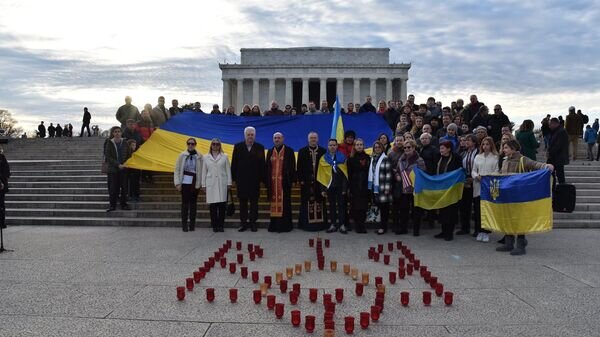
pixel 215 144
pixel 408 147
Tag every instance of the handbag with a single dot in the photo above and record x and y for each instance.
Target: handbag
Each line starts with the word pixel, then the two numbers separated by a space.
pixel 373 215
pixel 230 205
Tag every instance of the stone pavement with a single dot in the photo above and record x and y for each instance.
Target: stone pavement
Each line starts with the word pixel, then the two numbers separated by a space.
pixel 120 281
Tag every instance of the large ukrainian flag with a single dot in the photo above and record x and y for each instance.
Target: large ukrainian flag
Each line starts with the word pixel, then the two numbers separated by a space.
pixel 517 204
pixel 439 191
pixel 160 151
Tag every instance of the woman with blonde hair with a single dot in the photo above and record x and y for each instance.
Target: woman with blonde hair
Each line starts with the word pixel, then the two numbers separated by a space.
pixel 216 183
pixel 486 163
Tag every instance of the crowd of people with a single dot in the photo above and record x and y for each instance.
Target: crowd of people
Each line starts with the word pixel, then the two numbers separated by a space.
pixel 338 195
pixel 57 131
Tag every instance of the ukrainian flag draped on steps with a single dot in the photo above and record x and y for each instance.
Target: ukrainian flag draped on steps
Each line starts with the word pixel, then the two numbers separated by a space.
pixel 160 151
pixel 517 204
pixel 439 191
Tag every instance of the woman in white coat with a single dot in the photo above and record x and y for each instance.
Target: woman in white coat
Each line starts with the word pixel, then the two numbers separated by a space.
pixel 216 182
pixel 187 175
pixel 486 163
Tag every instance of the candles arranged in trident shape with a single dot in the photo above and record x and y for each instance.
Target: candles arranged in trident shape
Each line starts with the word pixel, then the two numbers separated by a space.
pixel 181 293
pixel 298 269
pixel 354 273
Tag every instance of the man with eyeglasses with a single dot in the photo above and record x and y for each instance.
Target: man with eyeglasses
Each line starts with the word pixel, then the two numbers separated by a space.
pixel 281 175
pixel 248 171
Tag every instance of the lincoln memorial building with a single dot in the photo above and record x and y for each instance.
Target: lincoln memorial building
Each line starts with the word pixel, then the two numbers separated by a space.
pixel 299 75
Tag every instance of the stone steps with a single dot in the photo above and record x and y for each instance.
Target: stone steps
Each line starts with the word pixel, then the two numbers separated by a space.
pixel 102 204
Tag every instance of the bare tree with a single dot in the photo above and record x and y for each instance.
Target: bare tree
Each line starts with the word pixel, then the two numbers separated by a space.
pixel 8 126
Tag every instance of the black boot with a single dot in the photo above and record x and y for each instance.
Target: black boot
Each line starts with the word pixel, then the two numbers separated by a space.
pixel 253 227
pixel 184 226
pixel 520 248
pixel 509 244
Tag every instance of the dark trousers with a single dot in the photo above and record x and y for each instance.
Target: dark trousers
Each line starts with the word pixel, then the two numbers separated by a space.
pixel 217 214
pixel 337 206
pixel 466 208
pixel 447 217
pixel 85 125
pixel 253 215
pixel 598 153
pixel 133 178
pixel 384 211
pixel 477 207
pixel 558 174
pixel 359 217
pixel 2 211
pixel 409 211
pixel 189 197
pixel 117 185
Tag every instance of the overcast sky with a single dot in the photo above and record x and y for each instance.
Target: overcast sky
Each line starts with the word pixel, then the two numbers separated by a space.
pixel 533 57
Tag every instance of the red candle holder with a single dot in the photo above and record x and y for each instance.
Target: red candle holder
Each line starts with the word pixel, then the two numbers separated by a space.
pixel 448 298
pixel 349 324
pixel 228 243
pixel 244 272
pixel 296 317
pixel 417 263
pixel 390 246
pixel 223 262
pixel 328 316
pixel 309 323
pixel 283 286
pixel 378 280
pixel 240 258
pixel 296 288
pixel 376 257
pixel 217 255
pixel 257 296
pixel 250 247
pixel 321 264
pixel 238 245
pixel 189 283
pixel 211 261
pixel 260 253
pixel 279 310
pixel 401 273
pixel 268 280
pixel 371 253
pixel 326 298
pixel 392 277
pixel 404 298
pixel 293 297
pixel 233 295
pixel 433 282
pixel 330 325
pixel 255 277
pixel 386 259
pixel 422 270
pixel 311 242
pixel 210 294
pixel 312 294
pixel 439 290
pixel 207 266
pixel 365 320
pixel 379 302
pixel 330 306
pixel 380 248
pixel 252 256
pixel 401 262
pixel 427 298
pixel 339 295
pixel 427 276
pixel 197 277
pixel 359 289
pixel 202 272
pixel 409 269
pixel 270 302
pixel 232 267
pixel 327 243
pixel 180 293
pixel 375 311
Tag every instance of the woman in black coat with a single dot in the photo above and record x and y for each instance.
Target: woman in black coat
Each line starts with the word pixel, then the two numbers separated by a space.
pixel 448 216
pixel 358 172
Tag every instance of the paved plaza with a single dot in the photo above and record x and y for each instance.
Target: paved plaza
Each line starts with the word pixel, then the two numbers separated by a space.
pixel 120 281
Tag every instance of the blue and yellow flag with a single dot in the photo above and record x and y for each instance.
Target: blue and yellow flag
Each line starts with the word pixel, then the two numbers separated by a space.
pixel 337 124
pixel 160 151
pixel 439 191
pixel 517 204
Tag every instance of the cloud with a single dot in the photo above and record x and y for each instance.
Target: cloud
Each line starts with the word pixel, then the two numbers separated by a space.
pixel 532 57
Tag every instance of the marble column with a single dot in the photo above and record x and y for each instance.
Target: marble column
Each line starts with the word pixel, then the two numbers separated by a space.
pixel 304 91
pixel 227 95
pixel 356 91
pixel 323 94
pixel 255 83
pixel 373 90
pixel 340 91
pixel 240 95
pixel 388 89
pixel 271 91
pixel 288 91
pixel 403 89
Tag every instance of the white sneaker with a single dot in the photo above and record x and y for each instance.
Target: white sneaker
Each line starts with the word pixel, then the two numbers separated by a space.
pixel 485 237
pixel 479 237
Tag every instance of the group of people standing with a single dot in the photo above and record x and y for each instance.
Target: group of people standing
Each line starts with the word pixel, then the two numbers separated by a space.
pixel 56 131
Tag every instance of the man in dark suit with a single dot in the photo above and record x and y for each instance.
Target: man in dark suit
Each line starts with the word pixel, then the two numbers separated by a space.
pixel 247 172
pixel 558 150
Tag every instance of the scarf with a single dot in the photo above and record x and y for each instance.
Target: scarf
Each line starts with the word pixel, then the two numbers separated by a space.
pixel 439 164
pixel 337 158
pixel 374 173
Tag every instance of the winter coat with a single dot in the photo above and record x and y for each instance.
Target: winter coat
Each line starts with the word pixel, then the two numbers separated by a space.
pixel 407 165
pixel 248 169
pixel 358 173
pixel 110 153
pixel 512 164
pixel 528 144
pixel 216 177
pixel 180 164
pixel 573 124
pixel 590 136
pixel 159 117
pixel 558 147
pixel 483 165
pixel 496 122
pixel 385 181
pixel 430 155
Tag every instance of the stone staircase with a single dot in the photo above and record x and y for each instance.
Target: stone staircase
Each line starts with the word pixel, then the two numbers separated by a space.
pixel 58 182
